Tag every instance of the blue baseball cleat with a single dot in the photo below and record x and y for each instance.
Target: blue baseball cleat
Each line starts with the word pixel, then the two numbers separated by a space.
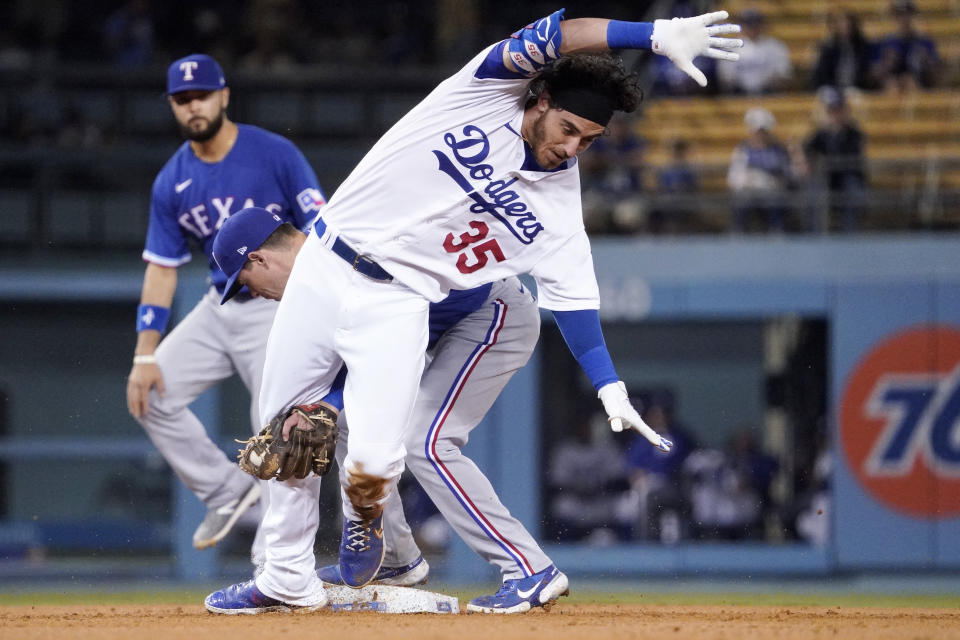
pixel 361 551
pixel 408 575
pixel 519 595
pixel 246 598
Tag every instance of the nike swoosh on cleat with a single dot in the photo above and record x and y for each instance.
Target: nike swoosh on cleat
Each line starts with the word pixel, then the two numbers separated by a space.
pixel 227 509
pixel 527 594
pixel 378 533
pixel 183 185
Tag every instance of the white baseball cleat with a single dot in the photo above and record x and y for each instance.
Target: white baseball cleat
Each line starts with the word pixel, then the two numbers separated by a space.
pixel 218 521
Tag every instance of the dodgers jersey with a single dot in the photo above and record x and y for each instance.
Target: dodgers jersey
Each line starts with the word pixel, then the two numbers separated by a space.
pixel 452 198
pixel 192 198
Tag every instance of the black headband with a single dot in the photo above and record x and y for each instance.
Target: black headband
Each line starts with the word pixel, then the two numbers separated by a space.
pixel 586 103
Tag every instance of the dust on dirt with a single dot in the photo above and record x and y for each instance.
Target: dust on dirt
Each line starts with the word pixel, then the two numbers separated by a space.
pixel 563 621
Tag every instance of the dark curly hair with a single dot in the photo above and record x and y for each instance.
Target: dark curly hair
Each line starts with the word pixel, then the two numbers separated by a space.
pixel 599 72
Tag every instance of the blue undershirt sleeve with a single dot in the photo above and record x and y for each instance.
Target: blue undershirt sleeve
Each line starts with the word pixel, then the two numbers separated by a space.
pixel 335 397
pixel 582 333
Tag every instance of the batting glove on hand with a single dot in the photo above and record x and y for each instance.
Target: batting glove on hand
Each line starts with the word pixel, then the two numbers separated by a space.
pixel 683 39
pixel 620 411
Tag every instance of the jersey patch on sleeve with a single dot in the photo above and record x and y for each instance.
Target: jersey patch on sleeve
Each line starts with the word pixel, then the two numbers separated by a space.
pixel 530 49
pixel 310 199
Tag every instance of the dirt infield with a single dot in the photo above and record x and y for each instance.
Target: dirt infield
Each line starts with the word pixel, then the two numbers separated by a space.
pixel 566 621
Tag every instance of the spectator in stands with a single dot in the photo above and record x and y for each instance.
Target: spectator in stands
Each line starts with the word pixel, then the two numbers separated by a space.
pixel 128 35
pixel 213 33
pixel 275 26
pixel 757 468
pixel 905 59
pixel 764 64
pixel 268 54
pixel 812 506
pixel 760 174
pixel 76 131
pixel 655 475
pixel 16 53
pixel 612 180
pixel 844 57
pixel 678 185
pixel 589 487
pixel 835 165
pixel 729 489
pixel 678 176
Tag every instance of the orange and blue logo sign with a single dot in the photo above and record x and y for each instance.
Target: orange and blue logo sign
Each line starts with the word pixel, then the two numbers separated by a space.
pixel 900 422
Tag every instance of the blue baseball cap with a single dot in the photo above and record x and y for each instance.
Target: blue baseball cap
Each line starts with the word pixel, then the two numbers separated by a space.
pixel 240 234
pixel 197 72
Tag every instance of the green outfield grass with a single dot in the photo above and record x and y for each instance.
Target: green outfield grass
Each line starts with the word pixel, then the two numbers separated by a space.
pixel 186 597
pixel 777 598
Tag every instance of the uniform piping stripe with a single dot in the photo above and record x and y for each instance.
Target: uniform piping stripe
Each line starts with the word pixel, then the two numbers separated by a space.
pixel 149 256
pixel 493 333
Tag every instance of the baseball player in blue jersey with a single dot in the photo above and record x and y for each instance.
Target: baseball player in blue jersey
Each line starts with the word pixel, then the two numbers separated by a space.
pixel 220 169
pixel 478 339
pixel 475 184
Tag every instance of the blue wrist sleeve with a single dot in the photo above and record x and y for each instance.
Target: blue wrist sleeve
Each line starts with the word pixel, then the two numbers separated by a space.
pixel 582 333
pixel 151 316
pixel 629 35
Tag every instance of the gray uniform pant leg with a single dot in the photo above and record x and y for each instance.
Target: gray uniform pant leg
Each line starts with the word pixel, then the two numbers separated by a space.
pixel 471 364
pixel 497 339
pixel 207 346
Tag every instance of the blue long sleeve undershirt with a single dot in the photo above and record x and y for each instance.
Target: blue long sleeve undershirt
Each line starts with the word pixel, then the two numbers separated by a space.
pixel 582 333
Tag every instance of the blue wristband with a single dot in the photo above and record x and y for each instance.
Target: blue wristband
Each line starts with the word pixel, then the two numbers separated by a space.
pixel 629 35
pixel 151 316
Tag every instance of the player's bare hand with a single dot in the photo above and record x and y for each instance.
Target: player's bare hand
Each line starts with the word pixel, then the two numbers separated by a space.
pixel 296 420
pixel 683 39
pixel 621 415
pixel 143 378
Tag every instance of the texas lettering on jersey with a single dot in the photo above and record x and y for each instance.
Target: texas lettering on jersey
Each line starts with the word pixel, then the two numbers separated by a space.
pixel 203 221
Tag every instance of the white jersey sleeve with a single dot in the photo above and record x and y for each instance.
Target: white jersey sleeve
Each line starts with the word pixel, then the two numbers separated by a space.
pixel 565 279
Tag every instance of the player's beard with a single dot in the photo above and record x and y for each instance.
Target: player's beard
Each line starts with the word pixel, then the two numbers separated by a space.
pixel 537 143
pixel 202 135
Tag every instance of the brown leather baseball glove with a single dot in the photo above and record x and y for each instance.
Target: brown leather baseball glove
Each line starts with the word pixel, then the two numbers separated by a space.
pixel 310 447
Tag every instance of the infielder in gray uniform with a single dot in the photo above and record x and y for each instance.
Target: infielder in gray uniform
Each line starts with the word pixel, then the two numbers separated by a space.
pixel 478 339
pixel 220 169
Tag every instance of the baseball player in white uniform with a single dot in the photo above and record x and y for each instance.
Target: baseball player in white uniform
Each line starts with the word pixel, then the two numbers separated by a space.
pixel 475 184
pixel 478 339
pixel 221 168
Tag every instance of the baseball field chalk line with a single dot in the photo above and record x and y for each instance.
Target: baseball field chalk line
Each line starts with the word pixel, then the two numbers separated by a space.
pixel 386 599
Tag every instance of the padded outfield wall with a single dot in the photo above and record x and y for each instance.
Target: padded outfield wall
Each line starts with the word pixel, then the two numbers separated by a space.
pixel 891 304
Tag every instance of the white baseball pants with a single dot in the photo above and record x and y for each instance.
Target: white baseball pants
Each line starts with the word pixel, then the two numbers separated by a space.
pixel 331 315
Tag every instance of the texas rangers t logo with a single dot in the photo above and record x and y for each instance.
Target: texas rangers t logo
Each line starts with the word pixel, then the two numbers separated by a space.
pixel 187 67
